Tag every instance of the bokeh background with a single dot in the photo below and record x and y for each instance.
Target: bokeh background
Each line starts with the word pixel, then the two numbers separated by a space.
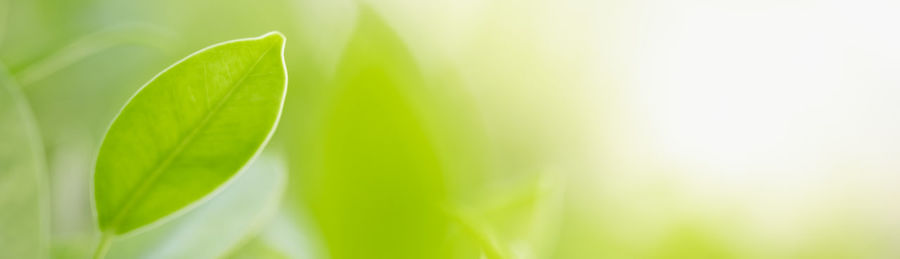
pixel 484 128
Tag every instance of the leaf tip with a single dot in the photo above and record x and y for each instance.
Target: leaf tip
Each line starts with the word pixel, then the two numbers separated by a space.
pixel 275 36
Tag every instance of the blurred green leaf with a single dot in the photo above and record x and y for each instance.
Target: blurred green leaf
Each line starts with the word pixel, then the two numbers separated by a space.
pixel 479 231
pixel 287 235
pixel 92 44
pixel 24 211
pixel 258 249
pixel 378 188
pixel 693 240
pixel 5 6
pixel 188 131
pixel 217 226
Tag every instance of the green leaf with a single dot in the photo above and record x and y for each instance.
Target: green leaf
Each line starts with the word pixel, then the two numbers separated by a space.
pixel 258 249
pixel 24 209
pixel 218 226
pixel 188 131
pixel 288 235
pixel 379 185
pixel 5 7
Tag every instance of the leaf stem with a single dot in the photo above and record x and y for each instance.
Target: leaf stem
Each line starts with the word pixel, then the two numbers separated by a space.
pixel 103 246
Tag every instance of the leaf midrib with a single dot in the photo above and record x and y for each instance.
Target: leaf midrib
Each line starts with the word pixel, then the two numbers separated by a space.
pixel 142 189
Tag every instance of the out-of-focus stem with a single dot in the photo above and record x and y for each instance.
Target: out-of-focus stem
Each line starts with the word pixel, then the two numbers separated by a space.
pixel 37 148
pixel 103 246
pixel 479 232
pixel 92 44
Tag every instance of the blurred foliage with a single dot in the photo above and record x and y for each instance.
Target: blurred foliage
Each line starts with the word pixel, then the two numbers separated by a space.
pixel 24 210
pixel 218 226
pixel 406 134
pixel 380 181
